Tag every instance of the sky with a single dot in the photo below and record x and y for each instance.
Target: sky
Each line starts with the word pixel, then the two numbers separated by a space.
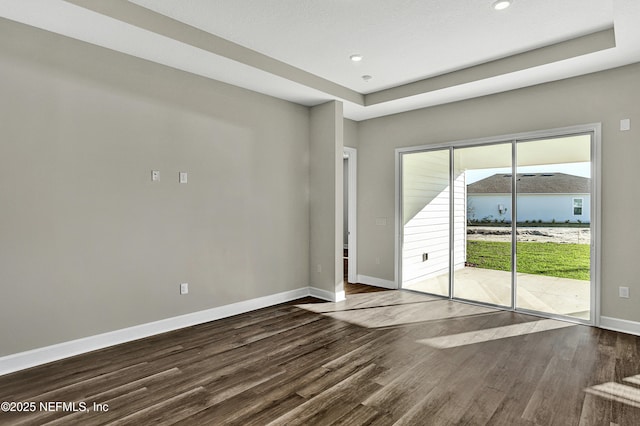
pixel 576 169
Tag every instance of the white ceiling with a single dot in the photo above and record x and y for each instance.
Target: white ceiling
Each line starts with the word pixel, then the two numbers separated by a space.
pixel 299 50
pixel 401 41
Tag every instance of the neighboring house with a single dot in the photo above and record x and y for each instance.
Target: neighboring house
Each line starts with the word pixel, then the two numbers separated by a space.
pixel 545 197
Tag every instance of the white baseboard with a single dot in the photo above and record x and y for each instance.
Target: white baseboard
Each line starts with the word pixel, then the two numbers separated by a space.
pixel 326 295
pixel 377 282
pixel 27 359
pixel 31 358
pixel 625 326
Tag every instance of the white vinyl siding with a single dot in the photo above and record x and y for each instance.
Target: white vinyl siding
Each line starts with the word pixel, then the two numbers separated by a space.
pixel 460 220
pixel 426 195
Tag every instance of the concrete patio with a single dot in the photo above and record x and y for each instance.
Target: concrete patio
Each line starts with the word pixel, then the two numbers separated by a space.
pixel 553 295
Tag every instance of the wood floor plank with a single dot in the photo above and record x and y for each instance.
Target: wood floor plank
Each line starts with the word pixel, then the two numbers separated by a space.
pixel 334 402
pixel 359 415
pixel 168 411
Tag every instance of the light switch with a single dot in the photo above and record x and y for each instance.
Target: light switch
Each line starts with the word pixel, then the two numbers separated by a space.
pixel 623 292
pixel 183 177
pixel 625 124
pixel 155 175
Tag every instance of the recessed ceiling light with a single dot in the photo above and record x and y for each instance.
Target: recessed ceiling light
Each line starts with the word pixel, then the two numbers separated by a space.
pixel 501 4
pixel 356 57
pixel 366 78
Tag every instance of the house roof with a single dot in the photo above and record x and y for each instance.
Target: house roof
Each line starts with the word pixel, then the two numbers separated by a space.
pixel 532 183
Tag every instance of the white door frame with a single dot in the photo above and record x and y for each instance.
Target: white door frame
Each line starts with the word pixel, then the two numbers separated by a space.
pixel 352 160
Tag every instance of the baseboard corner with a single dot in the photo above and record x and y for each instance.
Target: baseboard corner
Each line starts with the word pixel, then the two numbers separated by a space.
pixel 326 295
pixel 377 282
pixel 624 326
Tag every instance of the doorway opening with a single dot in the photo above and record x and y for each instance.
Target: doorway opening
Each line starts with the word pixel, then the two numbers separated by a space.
pixel 349 234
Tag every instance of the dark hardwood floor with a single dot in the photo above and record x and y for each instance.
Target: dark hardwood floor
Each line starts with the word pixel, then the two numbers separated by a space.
pixel 355 288
pixel 379 358
pixel 350 288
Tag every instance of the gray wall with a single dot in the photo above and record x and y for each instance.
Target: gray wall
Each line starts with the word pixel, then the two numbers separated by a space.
pixel 350 133
pixel 325 189
pixel 604 97
pixel 88 244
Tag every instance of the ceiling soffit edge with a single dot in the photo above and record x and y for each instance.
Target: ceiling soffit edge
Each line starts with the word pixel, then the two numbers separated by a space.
pixel 583 45
pixel 146 19
pixel 141 17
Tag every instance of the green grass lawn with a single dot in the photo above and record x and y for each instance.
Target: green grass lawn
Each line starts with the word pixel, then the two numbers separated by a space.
pixel 551 259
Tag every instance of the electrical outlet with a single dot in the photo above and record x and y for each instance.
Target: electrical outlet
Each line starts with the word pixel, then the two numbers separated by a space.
pixel 183 177
pixel 623 292
pixel 155 175
pixel 184 288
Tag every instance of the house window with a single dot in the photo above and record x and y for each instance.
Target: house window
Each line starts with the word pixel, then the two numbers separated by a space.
pixel 577 206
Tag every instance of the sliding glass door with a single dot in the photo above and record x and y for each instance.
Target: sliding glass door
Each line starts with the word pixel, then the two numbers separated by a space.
pixel 554 226
pixel 482 267
pixel 506 224
pixel 426 198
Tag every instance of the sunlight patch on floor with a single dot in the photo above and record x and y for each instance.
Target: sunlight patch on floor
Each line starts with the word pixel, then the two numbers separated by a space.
pixel 370 300
pixel 481 336
pixel 633 379
pixel 394 308
pixel 617 392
